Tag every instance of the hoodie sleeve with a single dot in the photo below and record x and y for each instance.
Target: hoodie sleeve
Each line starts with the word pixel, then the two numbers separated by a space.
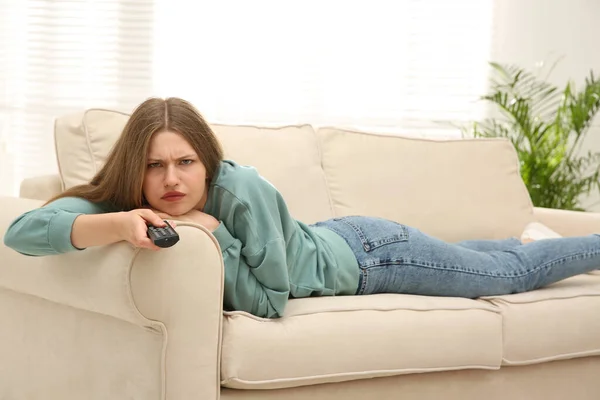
pixel 257 283
pixel 253 235
pixel 47 230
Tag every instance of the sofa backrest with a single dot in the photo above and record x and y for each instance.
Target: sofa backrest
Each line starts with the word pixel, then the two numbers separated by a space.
pixel 287 156
pixel 452 189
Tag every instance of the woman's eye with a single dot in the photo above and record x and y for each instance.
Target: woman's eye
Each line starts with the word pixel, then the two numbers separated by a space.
pixel 186 162
pixel 153 165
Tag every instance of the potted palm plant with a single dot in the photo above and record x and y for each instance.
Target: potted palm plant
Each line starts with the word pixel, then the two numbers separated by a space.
pixel 547 126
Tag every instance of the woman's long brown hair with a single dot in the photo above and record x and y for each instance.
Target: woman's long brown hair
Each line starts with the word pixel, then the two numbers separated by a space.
pixel 120 180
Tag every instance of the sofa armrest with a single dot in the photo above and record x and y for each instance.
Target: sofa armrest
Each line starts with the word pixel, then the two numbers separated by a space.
pixel 568 223
pixel 41 187
pixel 183 288
pixel 175 292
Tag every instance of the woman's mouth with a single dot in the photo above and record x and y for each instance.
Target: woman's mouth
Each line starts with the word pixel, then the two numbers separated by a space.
pixel 173 196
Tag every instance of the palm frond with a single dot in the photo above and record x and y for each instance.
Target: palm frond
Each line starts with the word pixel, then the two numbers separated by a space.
pixel 547 126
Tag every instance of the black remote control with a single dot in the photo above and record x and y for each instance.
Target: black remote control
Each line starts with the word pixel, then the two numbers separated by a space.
pixel 163 237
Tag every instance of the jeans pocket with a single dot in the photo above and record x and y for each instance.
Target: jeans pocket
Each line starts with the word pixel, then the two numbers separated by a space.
pixel 375 232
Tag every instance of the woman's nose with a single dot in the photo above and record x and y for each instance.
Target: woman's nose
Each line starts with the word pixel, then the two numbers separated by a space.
pixel 171 178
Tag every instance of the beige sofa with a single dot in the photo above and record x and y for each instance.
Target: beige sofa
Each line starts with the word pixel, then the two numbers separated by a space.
pixel 119 323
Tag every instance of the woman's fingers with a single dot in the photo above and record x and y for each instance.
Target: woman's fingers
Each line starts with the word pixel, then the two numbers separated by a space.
pixel 151 217
pixel 168 218
pixel 145 242
pixel 141 232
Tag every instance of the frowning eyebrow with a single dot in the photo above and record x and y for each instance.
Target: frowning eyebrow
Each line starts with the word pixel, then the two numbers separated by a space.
pixel 187 156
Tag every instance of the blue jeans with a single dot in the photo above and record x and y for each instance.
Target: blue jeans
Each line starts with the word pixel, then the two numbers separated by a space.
pixel 395 258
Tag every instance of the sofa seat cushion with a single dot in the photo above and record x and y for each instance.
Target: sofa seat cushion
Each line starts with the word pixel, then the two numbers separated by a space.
pixel 558 322
pixel 334 339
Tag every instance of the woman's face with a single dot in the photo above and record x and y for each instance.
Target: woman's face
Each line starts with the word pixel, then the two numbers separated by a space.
pixel 175 179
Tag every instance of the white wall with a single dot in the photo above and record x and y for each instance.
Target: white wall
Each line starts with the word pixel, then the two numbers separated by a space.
pixel 529 31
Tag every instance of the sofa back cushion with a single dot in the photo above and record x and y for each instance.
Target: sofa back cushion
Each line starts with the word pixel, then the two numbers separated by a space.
pixel 451 189
pixel 83 141
pixel 287 156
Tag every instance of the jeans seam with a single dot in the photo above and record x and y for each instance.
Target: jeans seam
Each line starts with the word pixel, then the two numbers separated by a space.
pixel 336 231
pixel 370 245
pixel 358 232
pixel 563 259
pixel 363 284
pixel 418 263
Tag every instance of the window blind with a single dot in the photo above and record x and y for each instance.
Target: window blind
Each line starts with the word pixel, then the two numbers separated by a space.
pixel 398 67
pixel 60 57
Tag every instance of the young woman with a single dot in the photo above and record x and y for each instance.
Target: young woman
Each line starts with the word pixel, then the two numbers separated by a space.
pixel 168 164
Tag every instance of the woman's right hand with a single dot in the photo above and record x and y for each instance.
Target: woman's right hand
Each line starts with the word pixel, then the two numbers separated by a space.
pixel 133 226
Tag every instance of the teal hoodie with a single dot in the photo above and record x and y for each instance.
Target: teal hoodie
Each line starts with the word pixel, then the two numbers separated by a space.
pixel 268 255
